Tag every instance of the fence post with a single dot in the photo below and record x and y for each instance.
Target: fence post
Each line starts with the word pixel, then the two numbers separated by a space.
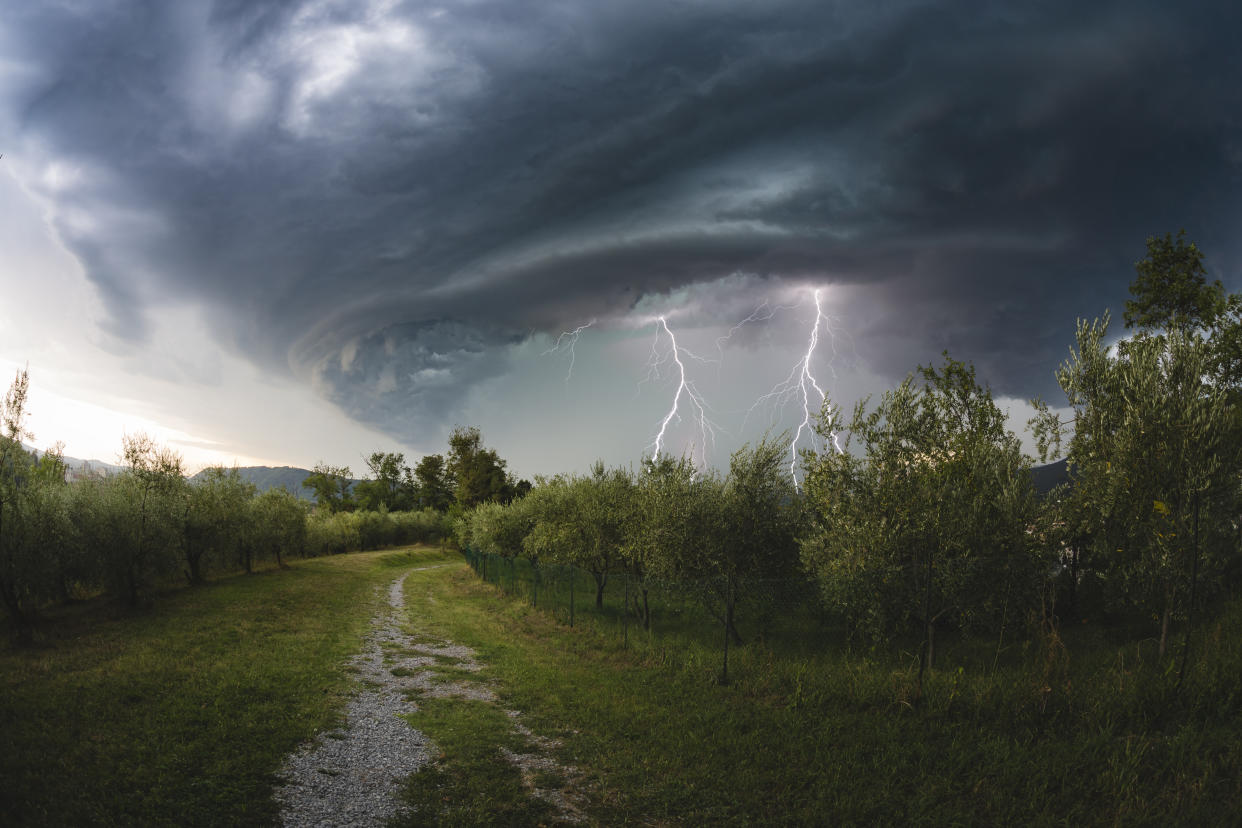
pixel 572 573
pixel 625 614
pixel 728 609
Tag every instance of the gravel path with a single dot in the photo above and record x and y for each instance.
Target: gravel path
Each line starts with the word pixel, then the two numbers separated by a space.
pixel 350 777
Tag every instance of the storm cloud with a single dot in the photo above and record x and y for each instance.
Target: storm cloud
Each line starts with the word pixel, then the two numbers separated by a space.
pixel 383 198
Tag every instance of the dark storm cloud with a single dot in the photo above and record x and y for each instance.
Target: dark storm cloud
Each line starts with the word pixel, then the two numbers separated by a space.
pixel 385 196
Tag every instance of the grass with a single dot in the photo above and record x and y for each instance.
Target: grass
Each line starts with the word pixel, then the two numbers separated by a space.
pixel 180 715
pixel 1092 733
pixel 471 783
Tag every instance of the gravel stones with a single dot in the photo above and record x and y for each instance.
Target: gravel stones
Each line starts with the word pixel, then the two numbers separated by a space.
pixel 350 777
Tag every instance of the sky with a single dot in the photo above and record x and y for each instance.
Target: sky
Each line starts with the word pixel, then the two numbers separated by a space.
pixel 293 232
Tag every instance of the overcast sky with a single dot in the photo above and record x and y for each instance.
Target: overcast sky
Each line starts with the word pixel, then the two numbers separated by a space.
pixel 289 232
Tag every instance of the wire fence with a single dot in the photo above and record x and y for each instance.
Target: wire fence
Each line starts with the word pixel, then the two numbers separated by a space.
pixel 783 614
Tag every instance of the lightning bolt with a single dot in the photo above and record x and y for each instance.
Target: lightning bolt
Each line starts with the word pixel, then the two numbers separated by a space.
pixel 668 359
pixel 754 317
pixel 763 313
pixel 685 387
pixel 566 341
pixel 801 385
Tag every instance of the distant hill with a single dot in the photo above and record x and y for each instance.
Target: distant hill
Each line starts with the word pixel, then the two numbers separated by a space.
pixel 78 467
pixel 1048 477
pixel 267 477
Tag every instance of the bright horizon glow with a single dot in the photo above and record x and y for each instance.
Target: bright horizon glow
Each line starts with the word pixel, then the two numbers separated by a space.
pixel 90 431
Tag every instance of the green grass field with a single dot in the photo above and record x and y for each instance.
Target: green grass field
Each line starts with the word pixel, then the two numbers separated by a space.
pixel 181 715
pixel 1096 733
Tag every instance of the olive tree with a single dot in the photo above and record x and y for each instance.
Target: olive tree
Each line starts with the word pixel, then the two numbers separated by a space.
pixel 278 521
pixel 214 520
pixel 151 493
pixel 679 522
pixel 606 508
pixel 922 524
pixel 1155 434
pixel 1149 434
pixel 34 523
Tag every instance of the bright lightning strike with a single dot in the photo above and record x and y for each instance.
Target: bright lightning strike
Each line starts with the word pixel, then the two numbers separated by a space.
pixel 566 342
pixel 685 387
pixel 801 385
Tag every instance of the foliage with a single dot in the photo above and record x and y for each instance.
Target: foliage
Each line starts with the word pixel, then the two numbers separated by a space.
pixel 923 525
pixel 331 485
pixel 1152 438
pixel 20 575
pixel 153 487
pixel 215 520
pixel 434 487
pixel 1171 290
pixel 478 474
pixel 391 485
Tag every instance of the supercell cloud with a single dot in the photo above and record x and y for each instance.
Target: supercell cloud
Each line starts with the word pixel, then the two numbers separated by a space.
pixel 383 198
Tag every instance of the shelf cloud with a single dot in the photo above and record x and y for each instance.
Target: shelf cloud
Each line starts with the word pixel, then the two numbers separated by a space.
pixel 383 198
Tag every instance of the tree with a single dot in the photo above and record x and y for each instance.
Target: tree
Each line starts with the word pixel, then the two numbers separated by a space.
pixel 154 484
pixel 1156 434
pixel 390 486
pixel 34 519
pixel 279 524
pixel 606 508
pixel 478 473
pixel 15 464
pixel 214 523
pixel 554 529
pixel 1171 290
pixel 434 487
pixel 1151 446
pixel 678 515
pixel 930 518
pixel 762 520
pixel 331 485
pixel 497 529
pixel 716 536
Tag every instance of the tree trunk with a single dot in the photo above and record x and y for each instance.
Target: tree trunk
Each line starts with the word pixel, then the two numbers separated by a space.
pixel 194 561
pixel 136 558
pixel 926 653
pixel 601 580
pixel 646 610
pixel 1073 596
pixel 22 628
pixel 625 616
pixel 728 629
pixel 133 585
pixel 1166 616
pixel 1194 578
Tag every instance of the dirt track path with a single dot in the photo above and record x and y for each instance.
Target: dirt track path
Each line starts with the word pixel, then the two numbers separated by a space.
pixel 352 776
